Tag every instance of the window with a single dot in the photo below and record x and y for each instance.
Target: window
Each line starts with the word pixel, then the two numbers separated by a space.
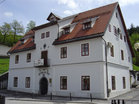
pixel 85 82
pixel 67 30
pixel 29 57
pixel 15 82
pixel 125 38
pixel 16 59
pixel 63 82
pixel 85 49
pixel 115 31
pixel 42 35
pixel 113 83
pixel 27 82
pixel 86 25
pixel 122 54
pixel 47 34
pixel 116 15
pixel 64 52
pixel 124 83
pixel 121 37
pixel 112 51
pixel 109 27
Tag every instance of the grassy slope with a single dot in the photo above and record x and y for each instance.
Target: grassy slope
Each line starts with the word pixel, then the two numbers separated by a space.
pixel 136 67
pixel 4 65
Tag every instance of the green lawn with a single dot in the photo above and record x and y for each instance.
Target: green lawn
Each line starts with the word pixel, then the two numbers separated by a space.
pixel 136 67
pixel 4 65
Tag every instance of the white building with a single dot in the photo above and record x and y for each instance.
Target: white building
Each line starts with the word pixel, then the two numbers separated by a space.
pixel 3 50
pixel 83 54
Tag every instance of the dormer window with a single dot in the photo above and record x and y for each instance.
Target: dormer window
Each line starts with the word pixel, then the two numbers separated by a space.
pixel 67 30
pixel 86 25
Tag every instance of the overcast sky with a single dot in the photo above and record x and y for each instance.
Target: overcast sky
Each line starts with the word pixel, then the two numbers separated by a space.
pixel 38 10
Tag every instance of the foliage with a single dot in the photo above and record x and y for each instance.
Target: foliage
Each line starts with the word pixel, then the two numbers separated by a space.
pixel 135 67
pixel 133 29
pixel 17 28
pixel 5 30
pixel 134 38
pixel 4 65
pixel 30 26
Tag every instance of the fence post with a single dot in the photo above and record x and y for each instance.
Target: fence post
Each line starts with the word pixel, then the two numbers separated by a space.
pixel 91 97
pixel 118 101
pixel 70 96
pixel 123 102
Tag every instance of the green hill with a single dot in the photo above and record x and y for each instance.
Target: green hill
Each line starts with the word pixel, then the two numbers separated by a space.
pixel 4 65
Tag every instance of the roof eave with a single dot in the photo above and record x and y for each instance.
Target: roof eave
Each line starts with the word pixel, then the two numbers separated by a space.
pixel 21 50
pixel 56 42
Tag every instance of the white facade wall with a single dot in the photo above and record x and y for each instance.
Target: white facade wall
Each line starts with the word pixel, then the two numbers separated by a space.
pixel 75 65
pixel 116 66
pixel 3 50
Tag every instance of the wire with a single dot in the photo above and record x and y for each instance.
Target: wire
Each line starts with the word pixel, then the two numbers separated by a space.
pixel 2 1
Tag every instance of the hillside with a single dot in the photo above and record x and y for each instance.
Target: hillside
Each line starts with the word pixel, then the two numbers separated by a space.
pixel 4 65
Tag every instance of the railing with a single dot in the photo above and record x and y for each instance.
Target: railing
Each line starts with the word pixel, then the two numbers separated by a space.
pixel 42 63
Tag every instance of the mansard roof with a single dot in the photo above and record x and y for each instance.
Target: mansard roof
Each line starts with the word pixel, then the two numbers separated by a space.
pixel 28 45
pixel 103 15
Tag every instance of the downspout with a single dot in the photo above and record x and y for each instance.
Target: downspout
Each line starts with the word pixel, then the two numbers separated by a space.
pixel 106 61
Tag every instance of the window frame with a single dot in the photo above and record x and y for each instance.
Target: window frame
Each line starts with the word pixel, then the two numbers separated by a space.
pixel 62 53
pixel 87 25
pixel 82 83
pixel 124 82
pixel 15 82
pixel 16 59
pixel 122 55
pixel 42 35
pixel 27 82
pixel 112 51
pixel 28 58
pixel 113 82
pixel 115 30
pixel 47 34
pixel 85 49
pixel 63 85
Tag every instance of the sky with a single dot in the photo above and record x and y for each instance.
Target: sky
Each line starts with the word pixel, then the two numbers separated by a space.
pixel 38 10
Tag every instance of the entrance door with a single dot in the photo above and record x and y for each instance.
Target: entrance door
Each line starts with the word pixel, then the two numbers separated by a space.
pixel 44 56
pixel 43 86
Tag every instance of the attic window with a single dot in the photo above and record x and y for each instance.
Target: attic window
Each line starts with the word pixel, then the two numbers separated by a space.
pixel 66 30
pixel 87 25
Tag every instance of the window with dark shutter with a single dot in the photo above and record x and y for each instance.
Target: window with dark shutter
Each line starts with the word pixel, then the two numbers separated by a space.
pixel 27 82
pixel 29 57
pixel 16 59
pixel 63 82
pixel 85 49
pixel 124 83
pixel 42 35
pixel 64 52
pixel 47 34
pixel 122 54
pixel 113 83
pixel 85 82
pixel 112 51
pixel 15 82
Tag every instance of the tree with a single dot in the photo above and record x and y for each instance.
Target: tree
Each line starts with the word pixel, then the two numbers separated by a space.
pixel 17 28
pixel 30 25
pixel 134 38
pixel 5 30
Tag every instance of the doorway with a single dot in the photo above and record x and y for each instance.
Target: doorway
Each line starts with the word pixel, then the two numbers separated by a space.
pixel 43 86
